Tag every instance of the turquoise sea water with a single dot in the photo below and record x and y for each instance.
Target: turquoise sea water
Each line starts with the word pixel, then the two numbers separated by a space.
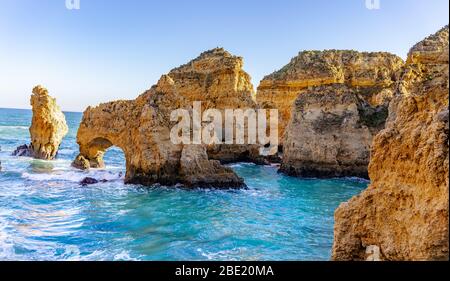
pixel 46 215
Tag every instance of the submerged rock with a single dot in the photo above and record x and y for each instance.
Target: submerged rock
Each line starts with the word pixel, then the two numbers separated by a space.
pixel 48 126
pixel 403 215
pixel 23 150
pixel 141 127
pixel 88 181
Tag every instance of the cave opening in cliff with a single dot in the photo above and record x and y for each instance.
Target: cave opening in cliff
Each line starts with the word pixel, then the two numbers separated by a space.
pixel 104 154
pixel 115 154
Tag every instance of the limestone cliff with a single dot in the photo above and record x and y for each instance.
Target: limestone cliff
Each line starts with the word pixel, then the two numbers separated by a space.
pixel 403 215
pixel 141 127
pixel 341 103
pixel 217 79
pixel 368 71
pixel 48 127
pixel 331 132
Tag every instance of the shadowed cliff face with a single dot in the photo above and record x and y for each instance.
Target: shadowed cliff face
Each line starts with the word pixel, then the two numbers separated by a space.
pixel 332 103
pixel 403 215
pixel 141 127
pixel 365 71
pixel 331 132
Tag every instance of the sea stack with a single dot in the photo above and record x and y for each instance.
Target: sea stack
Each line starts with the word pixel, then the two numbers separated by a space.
pixel 48 126
pixel 331 105
pixel 403 215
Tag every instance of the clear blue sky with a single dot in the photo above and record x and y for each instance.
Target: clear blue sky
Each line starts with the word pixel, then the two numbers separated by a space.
pixel 111 49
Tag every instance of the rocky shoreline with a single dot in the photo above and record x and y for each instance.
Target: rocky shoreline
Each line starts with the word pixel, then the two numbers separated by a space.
pixel 342 114
pixel 403 215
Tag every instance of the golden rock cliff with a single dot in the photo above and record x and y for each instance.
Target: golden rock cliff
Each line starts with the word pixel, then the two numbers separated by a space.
pixel 340 104
pixel 371 71
pixel 331 132
pixel 48 126
pixel 217 79
pixel 403 215
pixel 141 127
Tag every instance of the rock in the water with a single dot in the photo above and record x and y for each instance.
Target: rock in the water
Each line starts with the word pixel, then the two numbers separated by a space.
pixel 23 150
pixel 217 79
pixel 81 163
pixel 48 126
pixel 373 73
pixel 403 215
pixel 331 132
pixel 198 171
pixel 88 181
pixel 341 104
pixel 141 127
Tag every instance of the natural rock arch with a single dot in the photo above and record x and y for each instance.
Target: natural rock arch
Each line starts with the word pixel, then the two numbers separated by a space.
pixel 141 128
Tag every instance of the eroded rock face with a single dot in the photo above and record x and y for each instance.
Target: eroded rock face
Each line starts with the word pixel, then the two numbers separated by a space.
pixel 404 213
pixel 217 79
pixel 342 103
pixel 48 126
pixel 141 127
pixel 374 72
pixel 331 132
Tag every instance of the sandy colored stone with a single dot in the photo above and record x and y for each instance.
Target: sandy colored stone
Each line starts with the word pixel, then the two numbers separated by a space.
pixel 332 104
pixel 404 212
pixel 217 79
pixel 48 126
pixel 371 71
pixel 141 127
pixel 331 132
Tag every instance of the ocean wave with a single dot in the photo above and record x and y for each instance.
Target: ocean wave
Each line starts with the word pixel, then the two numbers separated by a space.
pixel 66 151
pixel 241 164
pixel 14 127
pixel 6 245
pixel 124 256
pixel 72 176
pixel 356 179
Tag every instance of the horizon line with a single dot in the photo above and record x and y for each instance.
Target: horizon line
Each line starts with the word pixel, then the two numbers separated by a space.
pixel 15 108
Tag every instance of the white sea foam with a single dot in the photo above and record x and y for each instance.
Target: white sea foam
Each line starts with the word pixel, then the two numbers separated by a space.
pixel 66 151
pixel 356 179
pixel 14 128
pixel 72 176
pixel 124 256
pixel 222 255
pixel 6 245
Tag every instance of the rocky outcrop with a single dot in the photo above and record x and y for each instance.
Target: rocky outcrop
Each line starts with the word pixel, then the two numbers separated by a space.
pixel 373 72
pixel 331 132
pixel 89 181
pixel 23 150
pixel 48 127
pixel 141 127
pixel 217 79
pixel 403 215
pixel 341 104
